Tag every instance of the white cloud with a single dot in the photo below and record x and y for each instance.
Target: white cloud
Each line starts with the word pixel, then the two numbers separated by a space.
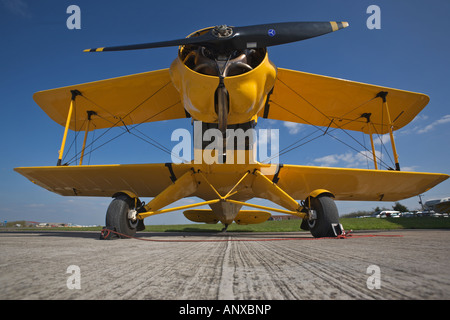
pixel 327 161
pixel 385 138
pixel 410 168
pixel 444 119
pixel 419 118
pixel 362 157
pixel 293 127
pixel 333 159
pixel 349 159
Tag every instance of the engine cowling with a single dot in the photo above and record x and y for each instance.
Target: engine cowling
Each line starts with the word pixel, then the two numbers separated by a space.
pixel 206 80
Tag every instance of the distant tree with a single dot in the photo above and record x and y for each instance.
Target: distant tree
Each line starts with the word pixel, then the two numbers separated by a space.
pixel 399 207
pixel 378 209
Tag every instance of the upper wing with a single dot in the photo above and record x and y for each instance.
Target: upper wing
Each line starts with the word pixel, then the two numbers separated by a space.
pixel 137 98
pixel 324 101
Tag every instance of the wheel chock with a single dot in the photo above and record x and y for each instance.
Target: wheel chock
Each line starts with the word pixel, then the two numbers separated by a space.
pixel 337 228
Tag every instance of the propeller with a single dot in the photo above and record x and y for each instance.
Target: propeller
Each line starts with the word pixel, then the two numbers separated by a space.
pixel 224 38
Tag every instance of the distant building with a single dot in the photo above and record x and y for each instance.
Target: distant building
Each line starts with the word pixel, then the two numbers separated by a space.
pixel 51 225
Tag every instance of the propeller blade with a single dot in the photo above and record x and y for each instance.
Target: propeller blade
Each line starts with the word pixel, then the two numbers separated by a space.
pixel 200 40
pixel 266 35
pixel 226 38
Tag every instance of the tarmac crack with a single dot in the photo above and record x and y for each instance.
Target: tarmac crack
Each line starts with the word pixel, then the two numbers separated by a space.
pixel 225 291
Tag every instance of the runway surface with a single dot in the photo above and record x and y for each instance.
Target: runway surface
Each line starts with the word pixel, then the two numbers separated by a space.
pixel 208 266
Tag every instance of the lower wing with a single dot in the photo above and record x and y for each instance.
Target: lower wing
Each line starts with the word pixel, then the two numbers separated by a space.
pixel 356 184
pixel 145 180
pixel 148 180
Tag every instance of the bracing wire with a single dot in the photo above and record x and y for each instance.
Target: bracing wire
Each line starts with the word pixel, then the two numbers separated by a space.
pixel 127 130
pixel 324 132
pixel 285 150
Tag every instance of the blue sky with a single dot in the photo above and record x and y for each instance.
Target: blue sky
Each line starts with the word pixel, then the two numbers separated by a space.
pixel 409 52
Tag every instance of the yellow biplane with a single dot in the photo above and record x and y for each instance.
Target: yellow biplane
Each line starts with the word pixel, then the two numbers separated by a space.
pixel 223 78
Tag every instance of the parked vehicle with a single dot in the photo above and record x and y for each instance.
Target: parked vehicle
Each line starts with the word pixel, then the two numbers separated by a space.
pixel 385 214
pixel 408 214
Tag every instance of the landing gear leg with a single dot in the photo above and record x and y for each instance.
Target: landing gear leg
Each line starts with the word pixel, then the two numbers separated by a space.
pixel 225 228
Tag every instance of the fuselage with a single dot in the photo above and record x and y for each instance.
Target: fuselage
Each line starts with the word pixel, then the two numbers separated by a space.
pixel 223 90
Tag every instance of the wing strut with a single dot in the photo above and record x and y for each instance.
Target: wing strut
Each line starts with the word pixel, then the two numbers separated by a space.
pixel 75 93
pixel 89 116
pixel 369 129
pixel 382 95
pixel 373 148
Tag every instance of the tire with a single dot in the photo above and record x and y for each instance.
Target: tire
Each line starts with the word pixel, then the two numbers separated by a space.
pixel 117 217
pixel 327 214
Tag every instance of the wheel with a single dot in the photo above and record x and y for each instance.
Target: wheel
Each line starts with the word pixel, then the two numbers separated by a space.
pixel 327 214
pixel 117 216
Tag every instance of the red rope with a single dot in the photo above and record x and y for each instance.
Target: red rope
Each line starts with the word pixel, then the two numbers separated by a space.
pixel 344 235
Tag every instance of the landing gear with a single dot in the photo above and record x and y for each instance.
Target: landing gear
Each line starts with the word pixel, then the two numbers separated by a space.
pixel 326 217
pixel 117 218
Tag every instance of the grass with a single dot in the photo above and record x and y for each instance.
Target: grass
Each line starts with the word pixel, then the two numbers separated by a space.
pixel 268 226
pixel 288 225
pixel 294 225
pixel 395 223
